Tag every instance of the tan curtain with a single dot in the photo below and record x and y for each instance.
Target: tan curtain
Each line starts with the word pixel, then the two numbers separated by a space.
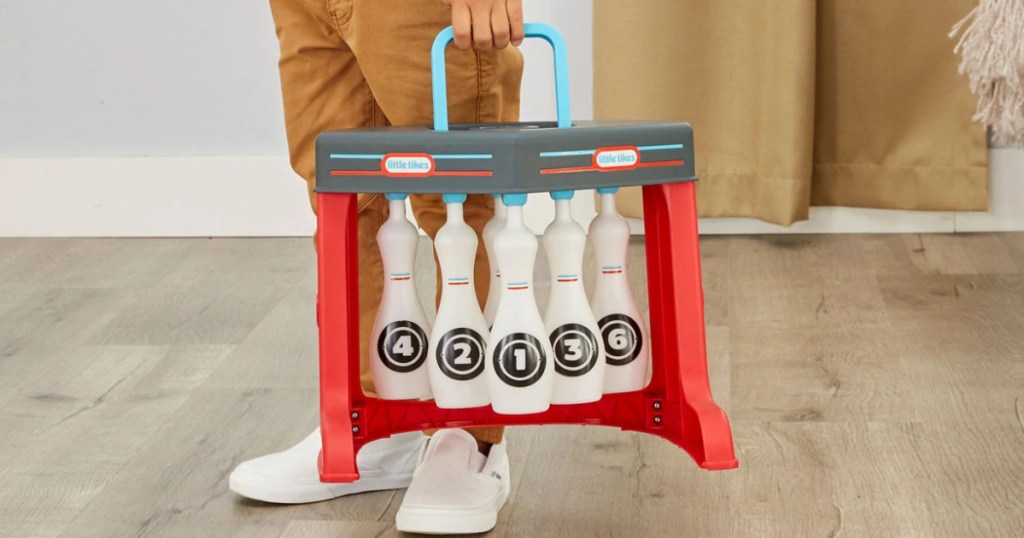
pixel 797 103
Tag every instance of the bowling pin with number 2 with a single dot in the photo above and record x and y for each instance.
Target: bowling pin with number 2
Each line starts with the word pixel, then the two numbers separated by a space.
pixel 458 343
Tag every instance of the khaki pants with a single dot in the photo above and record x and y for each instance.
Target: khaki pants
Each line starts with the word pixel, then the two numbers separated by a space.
pixel 362 63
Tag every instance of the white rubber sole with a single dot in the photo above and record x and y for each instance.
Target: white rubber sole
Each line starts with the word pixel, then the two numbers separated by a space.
pixel 446 521
pixel 262 489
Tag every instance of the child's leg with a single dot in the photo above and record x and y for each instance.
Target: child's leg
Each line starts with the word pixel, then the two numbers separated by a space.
pixel 324 89
pixel 355 63
pixel 391 40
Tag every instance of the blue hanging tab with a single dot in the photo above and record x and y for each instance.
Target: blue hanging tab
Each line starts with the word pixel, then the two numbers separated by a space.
pixel 439 79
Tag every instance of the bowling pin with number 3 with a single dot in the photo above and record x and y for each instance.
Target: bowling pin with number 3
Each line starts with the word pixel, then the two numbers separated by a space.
pixel 622 328
pixel 398 339
pixel 572 328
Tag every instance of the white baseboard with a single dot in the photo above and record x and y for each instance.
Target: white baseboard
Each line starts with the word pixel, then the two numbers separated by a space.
pixel 261 196
pixel 152 197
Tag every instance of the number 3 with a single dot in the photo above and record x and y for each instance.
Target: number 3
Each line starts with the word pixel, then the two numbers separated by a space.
pixel 573 349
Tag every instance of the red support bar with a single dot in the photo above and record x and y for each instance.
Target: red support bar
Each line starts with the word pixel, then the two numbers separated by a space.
pixel 677 405
pixel 338 315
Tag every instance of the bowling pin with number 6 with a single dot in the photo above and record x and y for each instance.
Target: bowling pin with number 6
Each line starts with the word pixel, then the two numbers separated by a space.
pixel 459 339
pixel 622 329
pixel 571 325
pixel 520 371
pixel 398 339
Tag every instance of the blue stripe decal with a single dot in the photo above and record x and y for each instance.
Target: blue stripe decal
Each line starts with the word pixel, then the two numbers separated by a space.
pixel 458 279
pixel 355 156
pixel 465 156
pixel 567 153
pixel 611 267
pixel 566 276
pixel 518 283
pixel 401 274
pixel 655 148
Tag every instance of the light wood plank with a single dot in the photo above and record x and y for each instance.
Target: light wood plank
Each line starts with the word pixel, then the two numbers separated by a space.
pixel 875 386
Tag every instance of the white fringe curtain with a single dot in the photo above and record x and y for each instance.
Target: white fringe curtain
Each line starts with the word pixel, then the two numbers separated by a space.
pixel 992 46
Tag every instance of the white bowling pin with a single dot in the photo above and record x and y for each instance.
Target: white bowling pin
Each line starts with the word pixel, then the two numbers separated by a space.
pixel 491 230
pixel 571 325
pixel 398 339
pixel 622 329
pixel 520 371
pixel 459 338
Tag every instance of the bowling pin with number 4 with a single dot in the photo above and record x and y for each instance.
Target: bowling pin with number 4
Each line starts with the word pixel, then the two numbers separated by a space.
pixel 520 371
pixel 622 329
pixel 458 343
pixel 398 339
pixel 572 328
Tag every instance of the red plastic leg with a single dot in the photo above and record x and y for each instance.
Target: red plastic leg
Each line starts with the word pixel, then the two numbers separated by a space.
pixel 338 317
pixel 677 325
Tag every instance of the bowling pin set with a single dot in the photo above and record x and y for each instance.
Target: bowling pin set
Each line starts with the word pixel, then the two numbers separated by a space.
pixel 584 360
pixel 508 356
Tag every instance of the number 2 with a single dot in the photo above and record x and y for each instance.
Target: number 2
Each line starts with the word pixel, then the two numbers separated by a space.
pixel 462 350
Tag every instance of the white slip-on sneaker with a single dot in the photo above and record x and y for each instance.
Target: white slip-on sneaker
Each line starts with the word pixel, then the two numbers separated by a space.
pixel 293 476
pixel 456 489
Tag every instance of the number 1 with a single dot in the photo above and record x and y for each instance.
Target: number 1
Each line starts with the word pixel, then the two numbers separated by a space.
pixel 520 356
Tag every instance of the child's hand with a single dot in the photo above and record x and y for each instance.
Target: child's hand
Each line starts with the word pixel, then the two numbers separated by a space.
pixel 487 24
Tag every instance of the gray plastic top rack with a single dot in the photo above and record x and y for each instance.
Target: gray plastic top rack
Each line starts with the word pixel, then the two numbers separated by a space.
pixel 504 158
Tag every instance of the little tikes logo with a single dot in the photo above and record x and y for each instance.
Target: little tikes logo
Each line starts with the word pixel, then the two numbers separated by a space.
pixel 407 164
pixel 617 158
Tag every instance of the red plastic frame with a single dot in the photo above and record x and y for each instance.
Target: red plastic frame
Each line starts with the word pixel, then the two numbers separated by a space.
pixel 677 405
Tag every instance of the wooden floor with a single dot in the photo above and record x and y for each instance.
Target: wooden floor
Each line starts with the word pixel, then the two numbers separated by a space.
pixel 875 386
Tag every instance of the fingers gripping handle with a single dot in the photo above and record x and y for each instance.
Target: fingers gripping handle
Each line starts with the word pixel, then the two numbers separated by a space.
pixel 533 29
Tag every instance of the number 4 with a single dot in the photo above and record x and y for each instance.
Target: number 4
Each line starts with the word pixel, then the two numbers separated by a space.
pixel 403 346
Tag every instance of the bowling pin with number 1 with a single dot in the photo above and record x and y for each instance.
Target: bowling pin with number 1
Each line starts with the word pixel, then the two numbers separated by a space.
pixel 520 370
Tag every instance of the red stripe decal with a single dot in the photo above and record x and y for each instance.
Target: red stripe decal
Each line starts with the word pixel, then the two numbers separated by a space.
pixel 356 173
pixel 577 169
pixel 435 173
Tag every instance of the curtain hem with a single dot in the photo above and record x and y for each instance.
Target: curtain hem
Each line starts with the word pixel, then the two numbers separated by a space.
pixel 919 188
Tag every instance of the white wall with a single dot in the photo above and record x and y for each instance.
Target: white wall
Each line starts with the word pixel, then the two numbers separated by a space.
pixel 144 118
pixel 138 78
pixel 141 118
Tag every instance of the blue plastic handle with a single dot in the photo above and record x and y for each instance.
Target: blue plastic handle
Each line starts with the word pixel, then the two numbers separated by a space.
pixel 531 29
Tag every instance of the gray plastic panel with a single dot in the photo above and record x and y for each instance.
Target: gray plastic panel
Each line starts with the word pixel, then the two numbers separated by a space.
pixel 504 158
